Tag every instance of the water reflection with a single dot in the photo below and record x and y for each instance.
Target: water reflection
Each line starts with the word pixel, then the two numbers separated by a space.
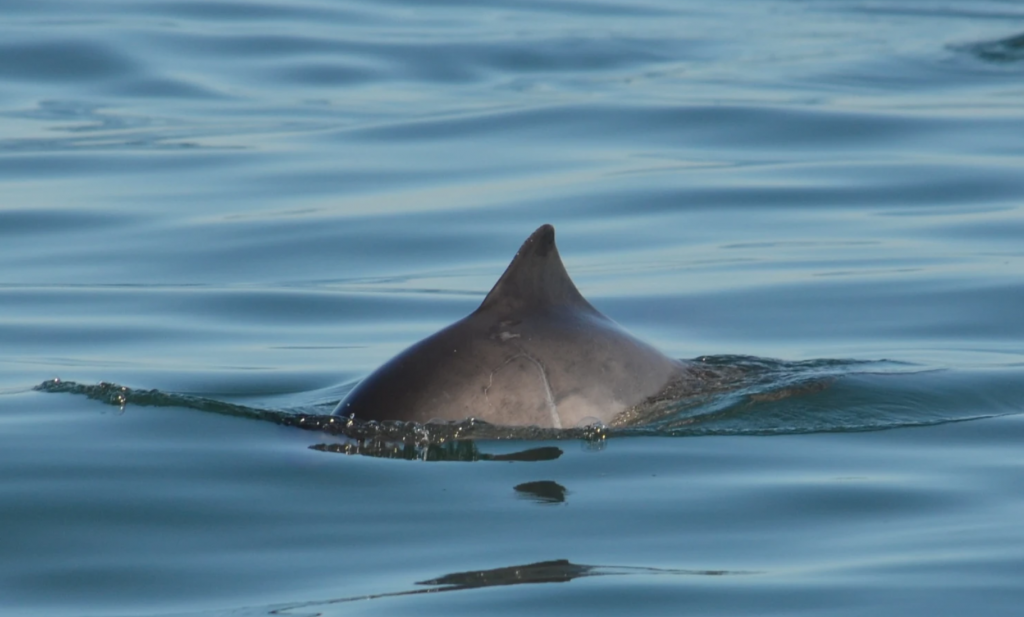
pixel 542 491
pixel 462 451
pixel 554 571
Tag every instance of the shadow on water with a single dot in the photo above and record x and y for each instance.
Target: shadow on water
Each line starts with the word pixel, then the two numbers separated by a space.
pixel 740 396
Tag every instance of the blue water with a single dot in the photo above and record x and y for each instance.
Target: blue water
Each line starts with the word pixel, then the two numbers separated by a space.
pixel 234 210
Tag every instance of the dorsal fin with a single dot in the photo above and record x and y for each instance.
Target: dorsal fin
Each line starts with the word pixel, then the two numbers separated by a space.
pixel 536 279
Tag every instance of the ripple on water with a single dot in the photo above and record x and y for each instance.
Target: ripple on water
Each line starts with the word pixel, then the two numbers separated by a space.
pixel 63 61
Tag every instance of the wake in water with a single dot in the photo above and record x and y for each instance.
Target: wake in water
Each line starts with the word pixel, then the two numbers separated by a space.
pixel 743 396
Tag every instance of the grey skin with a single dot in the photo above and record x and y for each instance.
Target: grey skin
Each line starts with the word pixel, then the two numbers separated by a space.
pixel 534 353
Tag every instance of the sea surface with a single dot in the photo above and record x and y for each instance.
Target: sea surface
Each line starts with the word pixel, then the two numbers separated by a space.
pixel 217 216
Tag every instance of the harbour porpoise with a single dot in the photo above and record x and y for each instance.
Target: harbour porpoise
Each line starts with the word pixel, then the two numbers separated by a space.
pixel 534 353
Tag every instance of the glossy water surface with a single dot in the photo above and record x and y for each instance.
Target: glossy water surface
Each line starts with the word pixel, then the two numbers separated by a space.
pixel 234 209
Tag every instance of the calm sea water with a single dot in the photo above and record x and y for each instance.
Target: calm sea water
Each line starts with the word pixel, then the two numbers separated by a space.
pixel 238 208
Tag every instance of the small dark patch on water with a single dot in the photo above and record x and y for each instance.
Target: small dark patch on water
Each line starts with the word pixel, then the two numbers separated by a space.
pixel 542 491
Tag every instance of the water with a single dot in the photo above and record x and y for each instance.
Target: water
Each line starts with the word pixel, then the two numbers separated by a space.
pixel 234 210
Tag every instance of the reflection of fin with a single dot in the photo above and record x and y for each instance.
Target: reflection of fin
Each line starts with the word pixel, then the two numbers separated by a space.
pixel 554 571
pixel 542 491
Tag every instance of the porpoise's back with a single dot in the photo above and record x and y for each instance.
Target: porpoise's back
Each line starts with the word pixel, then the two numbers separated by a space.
pixel 534 353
